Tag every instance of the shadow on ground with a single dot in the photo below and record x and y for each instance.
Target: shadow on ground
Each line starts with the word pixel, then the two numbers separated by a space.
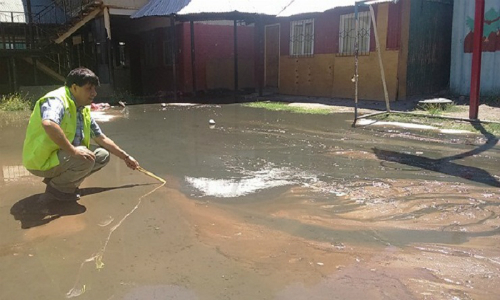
pixel 446 165
pixel 38 209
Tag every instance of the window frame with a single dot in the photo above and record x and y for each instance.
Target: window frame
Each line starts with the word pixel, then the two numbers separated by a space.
pixel 363 45
pixel 302 40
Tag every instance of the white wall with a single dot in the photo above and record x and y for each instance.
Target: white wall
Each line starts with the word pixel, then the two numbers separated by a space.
pixel 461 62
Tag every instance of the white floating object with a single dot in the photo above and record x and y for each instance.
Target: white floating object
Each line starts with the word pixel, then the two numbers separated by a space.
pixel 211 122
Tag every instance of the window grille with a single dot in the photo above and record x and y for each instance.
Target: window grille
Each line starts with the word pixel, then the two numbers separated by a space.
pixel 302 38
pixel 347 35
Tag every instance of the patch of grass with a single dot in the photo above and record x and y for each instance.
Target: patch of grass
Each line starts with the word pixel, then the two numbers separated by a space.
pixel 14 102
pixel 437 109
pixel 281 106
pixel 438 123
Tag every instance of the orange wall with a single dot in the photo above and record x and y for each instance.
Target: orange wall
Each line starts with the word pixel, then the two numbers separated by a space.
pixel 329 75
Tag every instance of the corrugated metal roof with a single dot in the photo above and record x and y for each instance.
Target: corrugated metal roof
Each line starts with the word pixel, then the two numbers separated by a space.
pixel 298 7
pixel 266 7
pixel 189 7
pixel 281 8
pixel 160 8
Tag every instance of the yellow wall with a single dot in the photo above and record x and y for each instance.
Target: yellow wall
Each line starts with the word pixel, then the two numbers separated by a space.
pixel 329 75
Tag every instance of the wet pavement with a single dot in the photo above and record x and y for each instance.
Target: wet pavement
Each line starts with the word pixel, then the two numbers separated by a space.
pixel 262 205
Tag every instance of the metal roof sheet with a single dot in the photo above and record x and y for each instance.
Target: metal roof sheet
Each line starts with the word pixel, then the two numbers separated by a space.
pixel 160 8
pixel 189 7
pixel 298 7
pixel 281 8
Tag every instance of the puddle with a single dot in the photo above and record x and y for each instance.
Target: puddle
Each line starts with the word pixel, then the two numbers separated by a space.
pixel 263 205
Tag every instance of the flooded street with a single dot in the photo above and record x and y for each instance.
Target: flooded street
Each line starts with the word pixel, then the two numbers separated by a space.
pixel 261 205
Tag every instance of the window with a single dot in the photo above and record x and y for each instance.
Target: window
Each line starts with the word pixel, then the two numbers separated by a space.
pixel 347 36
pixel 302 37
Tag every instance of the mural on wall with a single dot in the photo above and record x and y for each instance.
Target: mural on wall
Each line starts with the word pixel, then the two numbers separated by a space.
pixel 491 32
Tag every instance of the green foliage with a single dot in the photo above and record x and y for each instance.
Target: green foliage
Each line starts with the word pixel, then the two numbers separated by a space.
pixel 14 102
pixel 437 109
pixel 280 106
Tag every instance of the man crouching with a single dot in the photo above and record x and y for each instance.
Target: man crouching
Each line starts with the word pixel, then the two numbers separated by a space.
pixel 57 144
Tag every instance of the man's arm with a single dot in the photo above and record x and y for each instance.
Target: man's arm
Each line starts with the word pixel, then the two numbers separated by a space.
pixel 56 134
pixel 108 144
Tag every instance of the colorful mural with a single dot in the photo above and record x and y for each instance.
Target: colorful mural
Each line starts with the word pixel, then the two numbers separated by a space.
pixel 491 32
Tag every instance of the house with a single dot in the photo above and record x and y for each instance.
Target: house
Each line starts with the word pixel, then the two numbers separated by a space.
pixel 462 44
pixel 316 50
pixel 218 44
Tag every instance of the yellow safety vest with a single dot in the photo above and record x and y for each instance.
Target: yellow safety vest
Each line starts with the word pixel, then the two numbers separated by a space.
pixel 39 151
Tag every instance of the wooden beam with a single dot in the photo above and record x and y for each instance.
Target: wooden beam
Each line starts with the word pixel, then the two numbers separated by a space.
pixel 78 25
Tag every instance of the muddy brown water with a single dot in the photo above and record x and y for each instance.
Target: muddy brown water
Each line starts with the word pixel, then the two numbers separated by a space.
pixel 263 205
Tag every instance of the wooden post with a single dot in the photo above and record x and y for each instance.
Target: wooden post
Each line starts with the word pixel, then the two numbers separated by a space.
pixel 193 57
pixel 260 54
pixel 174 65
pixel 30 24
pixel 35 71
pixel 235 57
pixel 382 72
pixel 477 51
pixel 14 74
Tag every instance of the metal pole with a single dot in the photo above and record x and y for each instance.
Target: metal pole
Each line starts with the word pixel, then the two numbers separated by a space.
pixel 193 58
pixel 174 65
pixel 477 51
pixel 235 57
pixel 382 73
pixel 356 61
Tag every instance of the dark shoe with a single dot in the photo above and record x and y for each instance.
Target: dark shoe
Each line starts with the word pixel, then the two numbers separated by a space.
pixel 61 196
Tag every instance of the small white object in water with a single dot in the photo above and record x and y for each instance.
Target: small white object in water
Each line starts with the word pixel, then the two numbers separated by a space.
pixel 211 122
pixel 164 105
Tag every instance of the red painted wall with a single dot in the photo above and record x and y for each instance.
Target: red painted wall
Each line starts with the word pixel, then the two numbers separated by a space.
pixel 213 43
pixel 394 28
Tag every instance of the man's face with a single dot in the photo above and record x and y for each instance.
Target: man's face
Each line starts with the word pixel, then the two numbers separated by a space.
pixel 84 95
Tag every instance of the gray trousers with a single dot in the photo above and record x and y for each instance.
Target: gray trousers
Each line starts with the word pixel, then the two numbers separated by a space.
pixel 71 171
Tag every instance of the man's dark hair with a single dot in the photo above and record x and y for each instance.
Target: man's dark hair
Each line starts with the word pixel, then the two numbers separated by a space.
pixel 80 77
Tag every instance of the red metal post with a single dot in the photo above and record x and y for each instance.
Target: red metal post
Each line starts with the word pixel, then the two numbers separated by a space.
pixel 476 60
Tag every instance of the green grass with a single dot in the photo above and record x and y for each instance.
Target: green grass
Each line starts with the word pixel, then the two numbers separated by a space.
pixel 14 102
pixel 281 106
pixel 438 123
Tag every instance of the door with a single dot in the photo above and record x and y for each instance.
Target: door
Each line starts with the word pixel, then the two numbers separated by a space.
pixel 272 53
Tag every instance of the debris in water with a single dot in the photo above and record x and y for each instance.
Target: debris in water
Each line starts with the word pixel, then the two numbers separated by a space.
pixel 211 122
pixel 74 292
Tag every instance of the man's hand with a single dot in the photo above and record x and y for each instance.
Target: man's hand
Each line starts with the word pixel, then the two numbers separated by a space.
pixel 131 162
pixel 84 153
